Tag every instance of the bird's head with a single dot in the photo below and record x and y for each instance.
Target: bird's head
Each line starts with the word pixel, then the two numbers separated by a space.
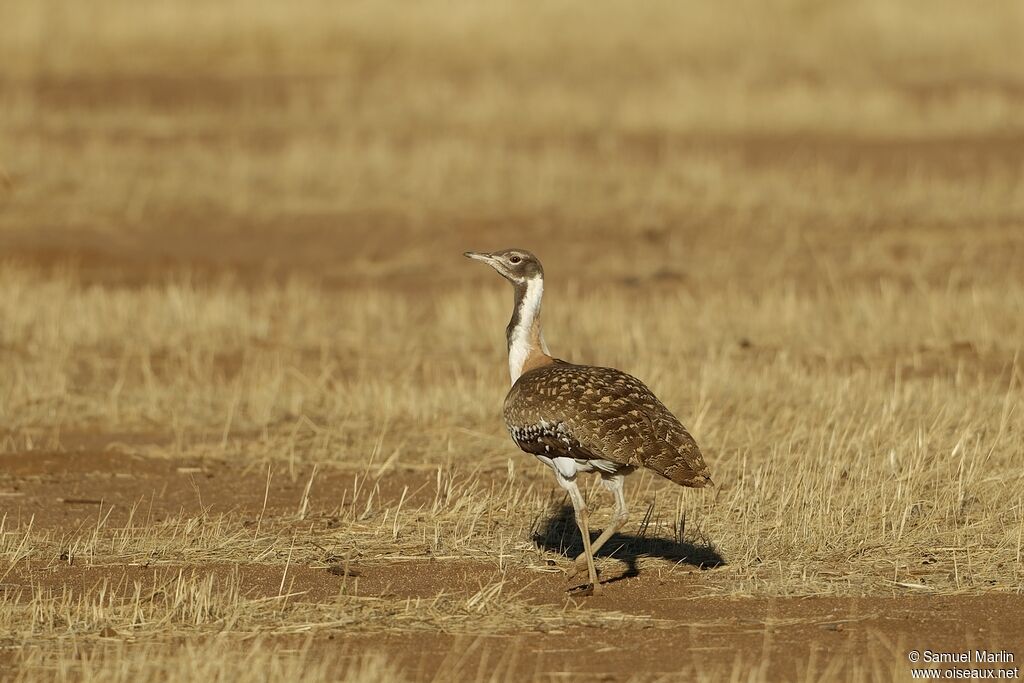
pixel 518 266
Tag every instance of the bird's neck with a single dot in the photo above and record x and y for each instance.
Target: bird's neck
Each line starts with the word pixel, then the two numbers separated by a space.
pixel 526 347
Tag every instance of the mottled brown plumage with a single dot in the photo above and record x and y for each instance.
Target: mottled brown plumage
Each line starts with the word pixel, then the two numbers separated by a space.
pixel 593 413
pixel 580 418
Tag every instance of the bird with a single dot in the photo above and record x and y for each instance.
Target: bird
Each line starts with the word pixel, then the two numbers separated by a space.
pixel 582 418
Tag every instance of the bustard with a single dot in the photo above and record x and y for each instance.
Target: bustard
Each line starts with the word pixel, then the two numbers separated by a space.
pixel 581 418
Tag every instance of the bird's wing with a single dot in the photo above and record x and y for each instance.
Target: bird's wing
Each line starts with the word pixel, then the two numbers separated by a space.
pixel 602 413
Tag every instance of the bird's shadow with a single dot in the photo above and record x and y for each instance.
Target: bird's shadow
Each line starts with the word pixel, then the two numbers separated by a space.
pixel 558 533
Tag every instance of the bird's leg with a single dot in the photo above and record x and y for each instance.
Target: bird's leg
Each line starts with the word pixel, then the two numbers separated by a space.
pixel 614 484
pixel 580 508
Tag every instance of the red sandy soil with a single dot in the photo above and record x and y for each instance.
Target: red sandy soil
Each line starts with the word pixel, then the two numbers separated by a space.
pixel 792 636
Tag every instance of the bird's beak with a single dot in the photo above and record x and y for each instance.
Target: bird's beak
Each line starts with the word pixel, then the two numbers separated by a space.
pixel 479 256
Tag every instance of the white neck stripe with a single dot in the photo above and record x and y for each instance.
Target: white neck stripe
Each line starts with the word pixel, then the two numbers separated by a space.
pixel 519 346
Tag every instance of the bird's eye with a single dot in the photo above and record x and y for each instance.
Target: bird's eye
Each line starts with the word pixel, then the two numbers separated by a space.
pixel 515 259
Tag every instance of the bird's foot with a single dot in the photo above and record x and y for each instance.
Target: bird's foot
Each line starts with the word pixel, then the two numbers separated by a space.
pixel 579 566
pixel 578 571
pixel 585 590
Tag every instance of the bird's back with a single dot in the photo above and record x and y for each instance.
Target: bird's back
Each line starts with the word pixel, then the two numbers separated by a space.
pixel 595 413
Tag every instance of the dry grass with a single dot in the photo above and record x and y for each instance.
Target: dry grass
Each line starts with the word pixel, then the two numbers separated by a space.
pixel 859 432
pixel 219 659
pixel 232 235
pixel 882 457
pixel 196 601
pixel 212 660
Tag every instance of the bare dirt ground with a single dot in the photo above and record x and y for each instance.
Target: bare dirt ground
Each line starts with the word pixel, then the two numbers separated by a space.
pixel 250 391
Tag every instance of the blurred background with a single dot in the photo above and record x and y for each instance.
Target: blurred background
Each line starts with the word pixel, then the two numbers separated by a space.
pixel 687 144
pixel 239 343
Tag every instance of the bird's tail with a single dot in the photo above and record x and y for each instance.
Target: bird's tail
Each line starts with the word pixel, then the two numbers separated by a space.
pixel 691 479
pixel 683 465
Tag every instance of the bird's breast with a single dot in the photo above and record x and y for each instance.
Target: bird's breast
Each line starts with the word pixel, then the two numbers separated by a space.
pixel 551 440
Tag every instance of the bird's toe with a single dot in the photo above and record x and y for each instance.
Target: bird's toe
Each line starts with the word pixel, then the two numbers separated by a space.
pixel 584 590
pixel 577 567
